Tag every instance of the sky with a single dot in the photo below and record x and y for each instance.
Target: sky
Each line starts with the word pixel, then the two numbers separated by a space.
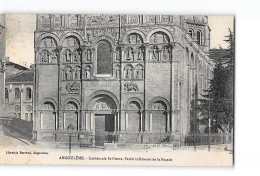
pixel 21 27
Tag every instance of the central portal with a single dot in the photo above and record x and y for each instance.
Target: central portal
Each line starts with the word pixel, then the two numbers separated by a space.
pixel 104 127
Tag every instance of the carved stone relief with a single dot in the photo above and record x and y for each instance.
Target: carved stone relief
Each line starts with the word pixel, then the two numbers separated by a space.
pixel 73 88
pixel 102 105
pixel 131 87
pixel 29 108
pixel 158 106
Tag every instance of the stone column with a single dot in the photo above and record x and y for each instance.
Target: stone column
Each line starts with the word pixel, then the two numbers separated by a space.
pixel 168 121
pixel 56 120
pixel 151 121
pixel 64 118
pixel 78 121
pixel 86 121
pixel 141 122
pixel 41 121
pixel 118 121
pixel 115 124
pixel 92 121
pixel 126 121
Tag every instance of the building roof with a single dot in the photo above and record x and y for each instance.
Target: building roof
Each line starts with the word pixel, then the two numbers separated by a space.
pixel 24 76
pixel 20 67
pixel 219 55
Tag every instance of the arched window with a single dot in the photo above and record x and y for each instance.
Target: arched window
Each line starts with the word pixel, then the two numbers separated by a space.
pixel 104 58
pixel 17 93
pixel 199 37
pixel 6 94
pixel 28 93
pixel 191 32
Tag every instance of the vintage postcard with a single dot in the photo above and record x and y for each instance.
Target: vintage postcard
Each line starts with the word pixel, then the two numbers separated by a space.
pixel 110 89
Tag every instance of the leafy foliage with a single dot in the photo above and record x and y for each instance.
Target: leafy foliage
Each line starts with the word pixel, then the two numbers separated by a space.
pixel 217 102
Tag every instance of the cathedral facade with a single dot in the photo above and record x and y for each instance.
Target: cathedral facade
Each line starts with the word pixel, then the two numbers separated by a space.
pixel 118 78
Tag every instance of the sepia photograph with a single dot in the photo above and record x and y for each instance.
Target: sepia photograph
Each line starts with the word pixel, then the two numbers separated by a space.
pixel 117 89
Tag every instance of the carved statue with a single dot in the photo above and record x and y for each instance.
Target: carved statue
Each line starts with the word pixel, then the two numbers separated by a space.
pixel 128 73
pixel 138 39
pixel 87 37
pixel 140 54
pixel 45 57
pixel 89 54
pixel 68 56
pixel 117 72
pixel 54 57
pixel 130 54
pixel 118 55
pixel 76 56
pixel 166 53
pixel 155 53
pixel 139 73
pixel 68 73
pixel 88 73
pixel 77 73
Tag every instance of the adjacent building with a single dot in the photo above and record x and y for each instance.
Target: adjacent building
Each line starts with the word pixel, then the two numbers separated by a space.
pixel 19 95
pixel 118 78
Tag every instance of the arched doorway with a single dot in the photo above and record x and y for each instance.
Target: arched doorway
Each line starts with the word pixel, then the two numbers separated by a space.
pixel 71 115
pixel 159 120
pixel 48 117
pixel 134 117
pixel 105 116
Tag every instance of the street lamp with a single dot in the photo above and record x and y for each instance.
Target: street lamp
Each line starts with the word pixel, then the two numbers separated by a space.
pixel 70 130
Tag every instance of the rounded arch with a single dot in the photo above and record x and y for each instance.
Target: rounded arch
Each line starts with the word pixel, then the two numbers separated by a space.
pixel 104 38
pixel 159 30
pixel 188 60
pixel 46 35
pixel 100 93
pixel 155 99
pixel 71 34
pixel 192 58
pixel 70 100
pixel 134 31
pixel 134 99
pixel 191 32
pixel 199 37
pixel 51 100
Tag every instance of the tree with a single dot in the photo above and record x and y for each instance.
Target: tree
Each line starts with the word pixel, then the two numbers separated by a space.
pixel 217 102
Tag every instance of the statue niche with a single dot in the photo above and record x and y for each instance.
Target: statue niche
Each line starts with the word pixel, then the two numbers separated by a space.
pixel 155 53
pixel 166 53
pixel 128 72
pixel 54 57
pixel 140 54
pixel 130 54
pixel 88 72
pixel 45 57
pixel 117 72
pixel 139 72
pixel 77 73
pixel 68 73
pixel 67 56
pixel 77 56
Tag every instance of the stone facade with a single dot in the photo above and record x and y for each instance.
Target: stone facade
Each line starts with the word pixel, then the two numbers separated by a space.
pixel 118 78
